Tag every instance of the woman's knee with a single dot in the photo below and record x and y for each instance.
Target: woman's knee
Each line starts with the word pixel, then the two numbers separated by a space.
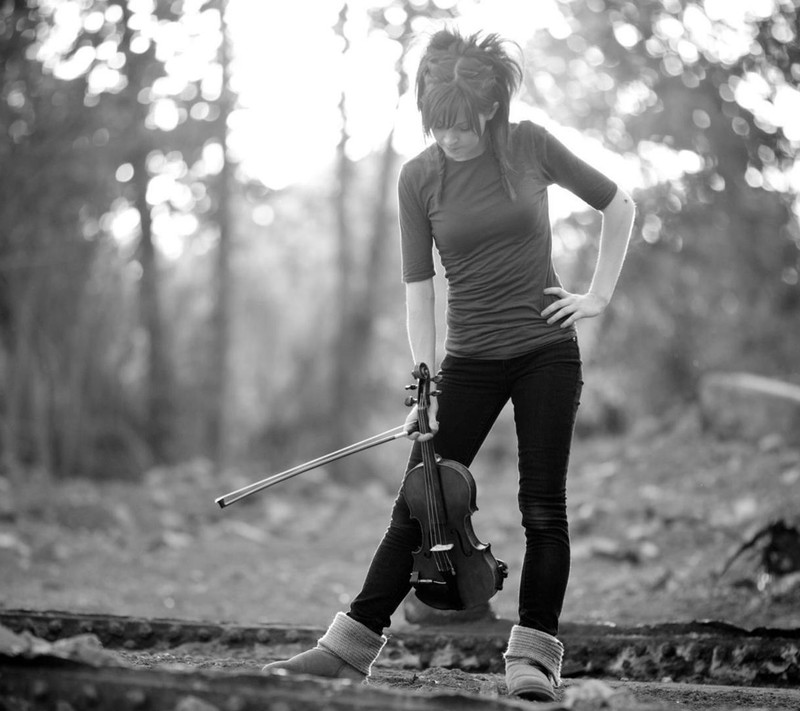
pixel 544 515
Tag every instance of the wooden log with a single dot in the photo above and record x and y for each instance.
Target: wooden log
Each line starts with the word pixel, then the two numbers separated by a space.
pixel 708 652
pixel 750 407
pixel 37 685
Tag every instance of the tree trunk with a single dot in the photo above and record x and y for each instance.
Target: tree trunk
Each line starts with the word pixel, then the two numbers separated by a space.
pixel 360 288
pixel 342 376
pixel 366 305
pixel 158 396
pixel 158 390
pixel 220 318
pixel 19 377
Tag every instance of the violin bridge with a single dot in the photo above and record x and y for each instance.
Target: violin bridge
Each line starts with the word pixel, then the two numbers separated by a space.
pixel 441 548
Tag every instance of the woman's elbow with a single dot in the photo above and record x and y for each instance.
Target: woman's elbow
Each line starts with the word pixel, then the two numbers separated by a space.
pixel 623 204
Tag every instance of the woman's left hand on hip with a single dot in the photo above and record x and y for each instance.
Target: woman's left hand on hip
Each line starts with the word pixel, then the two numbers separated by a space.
pixel 571 307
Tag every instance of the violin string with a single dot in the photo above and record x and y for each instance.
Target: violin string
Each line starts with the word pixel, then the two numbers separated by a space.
pixel 441 558
pixel 426 465
pixel 423 426
pixel 434 517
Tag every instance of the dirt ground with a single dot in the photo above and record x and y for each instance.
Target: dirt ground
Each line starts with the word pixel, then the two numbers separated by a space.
pixel 655 516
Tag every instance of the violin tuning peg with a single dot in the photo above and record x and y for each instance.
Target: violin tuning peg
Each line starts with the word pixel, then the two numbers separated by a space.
pixel 410 401
pixel 436 392
pixel 411 387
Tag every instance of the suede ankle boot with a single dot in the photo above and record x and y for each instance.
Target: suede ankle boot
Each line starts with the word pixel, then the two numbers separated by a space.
pixel 346 651
pixel 533 664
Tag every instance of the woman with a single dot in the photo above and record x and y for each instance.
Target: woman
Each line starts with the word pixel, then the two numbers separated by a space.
pixel 479 195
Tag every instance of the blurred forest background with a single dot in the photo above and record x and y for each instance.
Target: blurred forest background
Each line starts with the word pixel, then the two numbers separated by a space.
pixel 198 244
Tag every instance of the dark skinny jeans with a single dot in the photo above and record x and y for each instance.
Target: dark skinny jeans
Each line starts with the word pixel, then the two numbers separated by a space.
pixel 544 387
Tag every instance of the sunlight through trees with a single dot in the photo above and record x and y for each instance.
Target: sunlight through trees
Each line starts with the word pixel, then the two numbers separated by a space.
pixel 199 250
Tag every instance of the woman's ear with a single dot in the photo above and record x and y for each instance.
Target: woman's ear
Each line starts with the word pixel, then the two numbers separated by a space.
pixel 493 111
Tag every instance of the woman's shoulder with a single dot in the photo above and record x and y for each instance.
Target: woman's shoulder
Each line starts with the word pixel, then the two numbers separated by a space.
pixel 424 159
pixel 527 134
pixel 425 163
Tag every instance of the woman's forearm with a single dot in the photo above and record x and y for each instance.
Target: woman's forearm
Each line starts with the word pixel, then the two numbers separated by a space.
pixel 421 322
pixel 614 237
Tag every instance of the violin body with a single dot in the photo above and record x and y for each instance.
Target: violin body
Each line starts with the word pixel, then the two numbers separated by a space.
pixel 452 569
pixel 476 574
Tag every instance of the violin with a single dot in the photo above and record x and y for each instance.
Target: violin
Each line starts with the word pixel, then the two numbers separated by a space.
pixel 452 569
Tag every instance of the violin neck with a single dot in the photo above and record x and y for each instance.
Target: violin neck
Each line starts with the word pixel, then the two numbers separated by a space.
pixel 428 457
pixel 428 453
pixel 433 483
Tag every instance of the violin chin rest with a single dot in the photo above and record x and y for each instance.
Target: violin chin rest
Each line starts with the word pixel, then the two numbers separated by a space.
pixel 439 596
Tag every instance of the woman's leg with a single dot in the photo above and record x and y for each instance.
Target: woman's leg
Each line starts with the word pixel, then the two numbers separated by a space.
pixel 472 395
pixel 546 394
pixel 387 581
pixel 546 390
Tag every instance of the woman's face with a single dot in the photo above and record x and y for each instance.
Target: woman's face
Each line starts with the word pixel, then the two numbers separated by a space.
pixel 459 141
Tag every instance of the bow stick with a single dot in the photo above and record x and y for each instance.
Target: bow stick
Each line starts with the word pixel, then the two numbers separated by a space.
pixel 374 441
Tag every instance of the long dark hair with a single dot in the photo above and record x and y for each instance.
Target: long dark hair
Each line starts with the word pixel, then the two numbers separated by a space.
pixel 468 74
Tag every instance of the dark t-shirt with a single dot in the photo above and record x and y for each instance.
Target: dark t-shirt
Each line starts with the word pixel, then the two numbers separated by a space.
pixel 496 253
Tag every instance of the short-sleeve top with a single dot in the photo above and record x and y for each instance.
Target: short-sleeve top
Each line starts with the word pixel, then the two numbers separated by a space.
pixel 496 253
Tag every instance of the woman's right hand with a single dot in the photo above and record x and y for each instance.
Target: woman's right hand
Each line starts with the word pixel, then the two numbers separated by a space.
pixel 412 422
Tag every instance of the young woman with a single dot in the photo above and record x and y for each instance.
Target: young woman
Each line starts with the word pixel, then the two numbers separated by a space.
pixel 479 195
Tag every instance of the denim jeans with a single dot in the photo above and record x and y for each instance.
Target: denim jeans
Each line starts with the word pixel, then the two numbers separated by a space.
pixel 544 387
